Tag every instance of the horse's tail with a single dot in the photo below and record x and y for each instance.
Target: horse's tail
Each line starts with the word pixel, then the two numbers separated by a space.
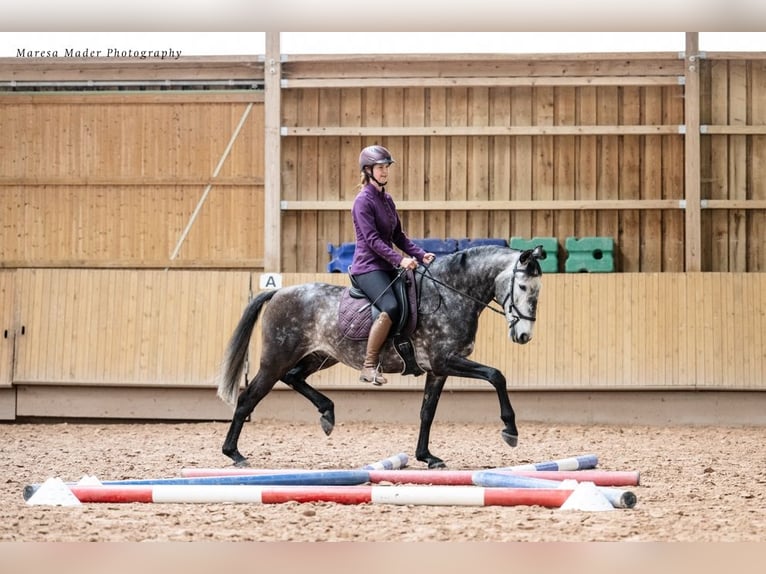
pixel 236 351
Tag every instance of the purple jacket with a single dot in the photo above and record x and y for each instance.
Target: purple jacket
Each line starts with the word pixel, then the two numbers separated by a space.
pixel 378 228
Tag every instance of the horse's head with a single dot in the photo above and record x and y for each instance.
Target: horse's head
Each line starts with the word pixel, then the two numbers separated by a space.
pixel 518 288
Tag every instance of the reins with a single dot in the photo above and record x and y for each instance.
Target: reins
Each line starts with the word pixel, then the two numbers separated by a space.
pixel 427 274
pixel 517 316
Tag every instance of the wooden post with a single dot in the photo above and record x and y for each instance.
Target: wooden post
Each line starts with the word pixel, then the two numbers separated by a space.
pixel 693 221
pixel 272 179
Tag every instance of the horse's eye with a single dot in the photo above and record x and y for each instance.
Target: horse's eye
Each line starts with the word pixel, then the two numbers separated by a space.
pixel 523 287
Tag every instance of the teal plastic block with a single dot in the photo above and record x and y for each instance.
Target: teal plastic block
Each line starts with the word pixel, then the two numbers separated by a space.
pixel 551 246
pixel 589 255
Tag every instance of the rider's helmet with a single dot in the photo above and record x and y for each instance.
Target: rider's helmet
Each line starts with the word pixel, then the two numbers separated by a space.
pixel 374 154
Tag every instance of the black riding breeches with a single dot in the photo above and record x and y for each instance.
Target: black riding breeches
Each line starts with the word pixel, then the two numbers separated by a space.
pixel 378 286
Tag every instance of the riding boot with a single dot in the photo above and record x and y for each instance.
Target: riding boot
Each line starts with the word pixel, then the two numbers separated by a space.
pixel 378 336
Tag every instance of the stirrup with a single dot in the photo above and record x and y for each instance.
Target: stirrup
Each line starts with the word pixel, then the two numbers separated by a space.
pixel 376 378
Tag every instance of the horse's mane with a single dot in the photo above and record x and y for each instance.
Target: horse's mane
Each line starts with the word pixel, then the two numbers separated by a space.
pixel 459 261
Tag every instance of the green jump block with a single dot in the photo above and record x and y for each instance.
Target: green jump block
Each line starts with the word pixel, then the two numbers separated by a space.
pixel 551 246
pixel 589 255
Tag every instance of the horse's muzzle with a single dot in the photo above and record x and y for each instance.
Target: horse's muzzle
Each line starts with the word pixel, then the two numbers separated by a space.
pixel 520 338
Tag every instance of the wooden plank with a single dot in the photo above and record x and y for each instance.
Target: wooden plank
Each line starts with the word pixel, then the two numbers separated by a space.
pixel 542 158
pixel 436 164
pixel 272 238
pixel 493 58
pixel 466 130
pixel 477 224
pixel 673 244
pixel 737 239
pixel 131 98
pixel 740 204
pixel 734 129
pixel 607 111
pixel 123 71
pixel 499 185
pixel 382 66
pixel 513 205
pixel 756 220
pixel 587 174
pixel 9 329
pixel 457 185
pixel 650 236
pixel 414 168
pixel 692 221
pixel 565 167
pixel 130 181
pixel 715 233
pixel 628 179
pixel 328 185
pixel 485 82
pixel 522 162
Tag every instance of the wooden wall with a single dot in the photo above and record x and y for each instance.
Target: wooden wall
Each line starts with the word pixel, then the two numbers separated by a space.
pixel 486 146
pixel 734 163
pixel 629 331
pixel 111 179
pixel 493 147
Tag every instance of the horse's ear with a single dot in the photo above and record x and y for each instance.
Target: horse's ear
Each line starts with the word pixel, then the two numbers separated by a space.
pixel 528 254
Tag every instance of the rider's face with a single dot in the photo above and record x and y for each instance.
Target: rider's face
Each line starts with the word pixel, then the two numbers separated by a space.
pixel 380 172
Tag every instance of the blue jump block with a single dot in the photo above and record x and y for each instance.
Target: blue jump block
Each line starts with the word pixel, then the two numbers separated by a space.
pixel 550 245
pixel 465 243
pixel 437 246
pixel 340 257
pixel 589 255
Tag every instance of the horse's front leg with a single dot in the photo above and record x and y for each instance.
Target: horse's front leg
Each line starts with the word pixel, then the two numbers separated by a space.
pixel 462 367
pixel 431 393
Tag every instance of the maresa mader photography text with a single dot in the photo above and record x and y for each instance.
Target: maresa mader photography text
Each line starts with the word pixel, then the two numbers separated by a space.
pixel 168 54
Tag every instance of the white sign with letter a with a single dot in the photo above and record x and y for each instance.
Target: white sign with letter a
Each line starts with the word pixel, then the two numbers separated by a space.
pixel 271 281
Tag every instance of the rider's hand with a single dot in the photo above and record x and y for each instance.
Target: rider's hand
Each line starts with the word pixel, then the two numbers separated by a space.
pixel 428 257
pixel 408 263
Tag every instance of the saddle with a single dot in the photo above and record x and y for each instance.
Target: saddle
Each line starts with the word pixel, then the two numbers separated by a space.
pixel 356 315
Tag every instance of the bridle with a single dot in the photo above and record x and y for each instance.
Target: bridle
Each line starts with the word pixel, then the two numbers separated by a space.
pixel 516 314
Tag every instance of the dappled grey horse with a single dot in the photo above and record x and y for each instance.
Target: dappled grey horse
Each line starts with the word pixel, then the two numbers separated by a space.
pixel 300 336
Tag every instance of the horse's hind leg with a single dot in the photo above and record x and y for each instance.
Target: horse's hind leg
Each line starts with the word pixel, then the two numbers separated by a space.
pixel 296 378
pixel 431 393
pixel 248 399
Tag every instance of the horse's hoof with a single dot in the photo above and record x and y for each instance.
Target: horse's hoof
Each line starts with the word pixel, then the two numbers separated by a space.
pixel 327 420
pixel 436 464
pixel 510 439
pixel 242 463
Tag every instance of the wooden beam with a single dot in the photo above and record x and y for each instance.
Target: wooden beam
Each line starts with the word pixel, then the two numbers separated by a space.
pixel 733 130
pixel 397 131
pixel 528 205
pixel 492 82
pixel 248 264
pixel 692 177
pixel 130 97
pixel 272 216
pixel 198 68
pixel 733 203
pixel 141 181
pixel 499 57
